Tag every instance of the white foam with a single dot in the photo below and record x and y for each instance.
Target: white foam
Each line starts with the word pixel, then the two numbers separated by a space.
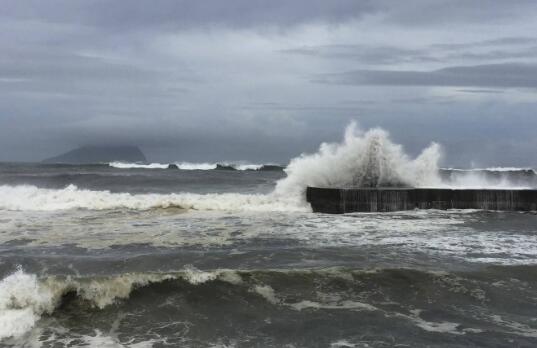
pixel 195 166
pixel 371 159
pixel 267 292
pixel 493 169
pixel 481 179
pixel 514 327
pixel 124 165
pixel 248 166
pixel 443 327
pixel 240 165
pixel 195 276
pixel 101 340
pixel 346 305
pixel 509 169
pixel 367 159
pixel 27 197
pixel 342 343
pixel 22 300
pixel 24 297
pixel 476 180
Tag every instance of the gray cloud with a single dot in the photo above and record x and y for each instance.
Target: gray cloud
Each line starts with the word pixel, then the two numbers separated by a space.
pixel 180 14
pixel 479 91
pixel 365 54
pixel 509 48
pixel 225 80
pixel 174 14
pixel 452 13
pixel 492 75
pixel 503 41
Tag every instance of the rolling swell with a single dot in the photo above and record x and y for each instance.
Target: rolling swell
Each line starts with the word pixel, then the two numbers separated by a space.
pixel 381 301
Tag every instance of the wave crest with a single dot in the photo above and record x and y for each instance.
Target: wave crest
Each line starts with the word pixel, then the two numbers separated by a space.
pixel 367 159
pixel 187 165
pixel 24 297
pixel 27 197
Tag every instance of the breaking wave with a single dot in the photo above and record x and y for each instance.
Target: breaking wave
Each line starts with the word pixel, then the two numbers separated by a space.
pixel 371 159
pixel 186 165
pixel 27 197
pixel 126 165
pixel 367 159
pixel 24 298
pixel 499 178
pixel 362 159
pixel 494 169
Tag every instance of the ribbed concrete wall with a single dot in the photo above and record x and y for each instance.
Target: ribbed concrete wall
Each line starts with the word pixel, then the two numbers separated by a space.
pixel 338 201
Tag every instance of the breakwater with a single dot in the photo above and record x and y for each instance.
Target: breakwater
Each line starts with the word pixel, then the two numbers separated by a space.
pixel 339 200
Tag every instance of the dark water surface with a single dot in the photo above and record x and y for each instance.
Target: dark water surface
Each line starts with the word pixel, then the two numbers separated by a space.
pixel 106 257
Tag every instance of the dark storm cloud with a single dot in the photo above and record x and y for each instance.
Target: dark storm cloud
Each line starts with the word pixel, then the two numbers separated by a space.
pixel 492 75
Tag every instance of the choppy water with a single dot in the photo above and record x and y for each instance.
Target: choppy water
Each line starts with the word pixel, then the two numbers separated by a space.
pixel 110 257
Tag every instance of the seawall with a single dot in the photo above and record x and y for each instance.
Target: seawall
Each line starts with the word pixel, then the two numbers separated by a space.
pixel 339 201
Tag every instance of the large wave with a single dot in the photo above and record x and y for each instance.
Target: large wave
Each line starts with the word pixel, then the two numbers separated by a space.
pixel 371 159
pixel 24 298
pixel 27 197
pixel 363 159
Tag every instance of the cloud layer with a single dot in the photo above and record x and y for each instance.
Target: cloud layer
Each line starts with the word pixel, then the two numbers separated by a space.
pixel 266 80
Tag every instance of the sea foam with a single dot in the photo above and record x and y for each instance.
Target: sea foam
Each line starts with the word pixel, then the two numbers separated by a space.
pixel 186 165
pixel 126 165
pixel 24 298
pixel 363 159
pixel 28 197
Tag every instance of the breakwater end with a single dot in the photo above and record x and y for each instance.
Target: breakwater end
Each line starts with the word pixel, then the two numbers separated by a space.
pixel 347 200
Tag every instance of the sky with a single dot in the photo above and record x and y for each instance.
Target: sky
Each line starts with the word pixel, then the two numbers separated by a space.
pixel 263 81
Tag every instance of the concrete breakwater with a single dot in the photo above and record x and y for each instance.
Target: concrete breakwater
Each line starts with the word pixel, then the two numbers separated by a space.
pixel 339 200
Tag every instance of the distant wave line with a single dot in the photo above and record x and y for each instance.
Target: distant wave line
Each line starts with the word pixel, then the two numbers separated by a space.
pixel 191 165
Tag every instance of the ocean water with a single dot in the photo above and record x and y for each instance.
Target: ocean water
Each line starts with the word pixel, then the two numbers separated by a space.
pixel 129 255
pixel 102 256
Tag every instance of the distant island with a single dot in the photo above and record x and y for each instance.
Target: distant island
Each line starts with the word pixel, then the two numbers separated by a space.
pixel 100 154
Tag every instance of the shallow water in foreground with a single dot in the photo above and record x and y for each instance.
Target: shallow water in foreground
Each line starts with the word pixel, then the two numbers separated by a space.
pixel 240 268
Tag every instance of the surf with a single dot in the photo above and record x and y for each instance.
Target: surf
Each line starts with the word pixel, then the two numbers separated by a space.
pixel 362 159
pixel 32 198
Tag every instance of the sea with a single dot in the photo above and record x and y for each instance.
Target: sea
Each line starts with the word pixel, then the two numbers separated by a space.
pixel 139 255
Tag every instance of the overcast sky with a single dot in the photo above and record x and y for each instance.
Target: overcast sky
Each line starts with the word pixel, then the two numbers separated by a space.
pixel 266 80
